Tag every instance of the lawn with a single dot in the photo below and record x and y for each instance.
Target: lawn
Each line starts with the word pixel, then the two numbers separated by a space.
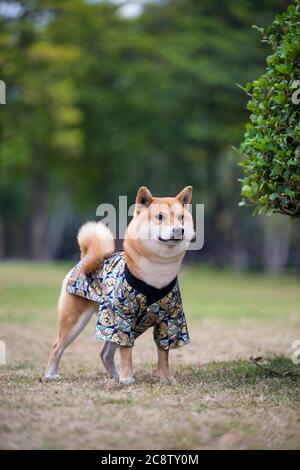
pixel 219 398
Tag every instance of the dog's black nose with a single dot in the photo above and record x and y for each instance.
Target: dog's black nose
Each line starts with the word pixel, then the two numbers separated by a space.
pixel 178 233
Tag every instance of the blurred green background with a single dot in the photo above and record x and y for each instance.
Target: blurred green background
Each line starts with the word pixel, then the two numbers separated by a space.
pixel 106 96
pixel 103 97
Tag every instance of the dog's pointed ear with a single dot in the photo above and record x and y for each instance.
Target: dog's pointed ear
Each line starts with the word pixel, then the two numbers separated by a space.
pixel 143 198
pixel 185 196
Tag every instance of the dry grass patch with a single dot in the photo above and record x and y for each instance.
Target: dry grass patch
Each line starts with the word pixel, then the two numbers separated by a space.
pixel 219 399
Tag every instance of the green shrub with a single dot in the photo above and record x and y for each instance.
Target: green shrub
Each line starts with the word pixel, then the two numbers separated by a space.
pixel 271 146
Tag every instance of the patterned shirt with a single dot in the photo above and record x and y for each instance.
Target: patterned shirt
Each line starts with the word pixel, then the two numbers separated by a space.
pixel 129 306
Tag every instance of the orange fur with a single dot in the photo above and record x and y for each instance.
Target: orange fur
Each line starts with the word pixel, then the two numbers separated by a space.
pixel 147 208
pixel 96 242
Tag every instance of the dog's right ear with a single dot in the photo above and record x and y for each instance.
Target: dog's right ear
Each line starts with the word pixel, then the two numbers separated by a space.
pixel 143 199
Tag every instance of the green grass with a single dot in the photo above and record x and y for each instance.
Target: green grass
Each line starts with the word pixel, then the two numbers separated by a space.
pixel 29 291
pixel 233 295
pixel 219 398
pixel 26 289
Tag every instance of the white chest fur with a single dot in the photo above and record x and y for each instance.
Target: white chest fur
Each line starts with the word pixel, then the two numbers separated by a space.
pixel 156 274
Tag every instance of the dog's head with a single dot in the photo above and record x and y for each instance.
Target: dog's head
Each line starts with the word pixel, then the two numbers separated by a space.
pixel 162 226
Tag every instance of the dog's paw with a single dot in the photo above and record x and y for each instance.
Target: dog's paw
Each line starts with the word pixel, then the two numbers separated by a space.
pixel 116 378
pixel 48 378
pixel 164 379
pixel 126 380
pixel 114 374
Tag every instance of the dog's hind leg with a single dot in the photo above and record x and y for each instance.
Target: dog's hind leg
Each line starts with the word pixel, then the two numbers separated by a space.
pixel 74 314
pixel 108 358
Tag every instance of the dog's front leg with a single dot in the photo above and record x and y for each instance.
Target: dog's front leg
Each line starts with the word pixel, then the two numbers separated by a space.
pixel 163 371
pixel 126 374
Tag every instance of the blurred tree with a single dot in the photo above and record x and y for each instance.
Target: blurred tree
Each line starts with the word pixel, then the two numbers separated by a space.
pixel 41 124
pixel 202 50
pixel 99 104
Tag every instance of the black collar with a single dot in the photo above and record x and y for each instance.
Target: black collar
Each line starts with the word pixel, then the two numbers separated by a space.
pixel 151 293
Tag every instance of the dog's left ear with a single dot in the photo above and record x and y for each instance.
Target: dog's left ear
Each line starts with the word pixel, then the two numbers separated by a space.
pixel 185 196
pixel 143 198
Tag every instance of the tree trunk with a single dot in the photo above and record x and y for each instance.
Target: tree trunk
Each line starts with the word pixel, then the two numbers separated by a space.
pixel 57 224
pixel 38 223
pixel 239 255
pixel 295 252
pixel 217 241
pixel 277 241
pixel 2 246
pixel 2 221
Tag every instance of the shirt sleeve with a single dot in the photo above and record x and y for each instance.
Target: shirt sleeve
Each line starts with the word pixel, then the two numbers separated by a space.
pixel 114 325
pixel 87 286
pixel 172 331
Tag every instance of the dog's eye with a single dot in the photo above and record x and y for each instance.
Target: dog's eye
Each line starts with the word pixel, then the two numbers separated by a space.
pixel 181 218
pixel 160 216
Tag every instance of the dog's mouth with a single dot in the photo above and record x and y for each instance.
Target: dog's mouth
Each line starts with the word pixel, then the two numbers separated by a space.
pixel 170 241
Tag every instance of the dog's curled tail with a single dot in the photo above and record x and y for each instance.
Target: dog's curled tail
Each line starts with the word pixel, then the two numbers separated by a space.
pixel 96 242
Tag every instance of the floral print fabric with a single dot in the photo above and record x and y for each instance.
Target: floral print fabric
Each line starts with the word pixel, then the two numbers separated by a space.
pixel 124 313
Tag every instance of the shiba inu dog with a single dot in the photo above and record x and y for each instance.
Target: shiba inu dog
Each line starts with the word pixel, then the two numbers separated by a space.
pixel 130 290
